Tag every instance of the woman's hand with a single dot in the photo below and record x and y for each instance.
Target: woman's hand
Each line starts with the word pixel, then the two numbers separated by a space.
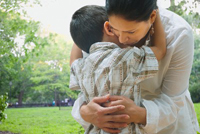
pixel 137 114
pixel 103 117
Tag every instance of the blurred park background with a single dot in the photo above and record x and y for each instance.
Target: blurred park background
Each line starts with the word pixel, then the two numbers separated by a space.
pixel 35 46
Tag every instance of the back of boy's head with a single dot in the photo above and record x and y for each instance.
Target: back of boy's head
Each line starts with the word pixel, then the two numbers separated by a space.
pixel 87 25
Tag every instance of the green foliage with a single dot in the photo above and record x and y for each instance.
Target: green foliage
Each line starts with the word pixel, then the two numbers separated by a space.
pixel 50 75
pixel 37 66
pixel 195 74
pixel 3 106
pixel 193 18
pixel 195 92
pixel 20 39
pixel 178 8
pixel 41 121
pixel 12 26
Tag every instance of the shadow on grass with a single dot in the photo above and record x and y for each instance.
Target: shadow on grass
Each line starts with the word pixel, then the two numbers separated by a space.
pixel 7 132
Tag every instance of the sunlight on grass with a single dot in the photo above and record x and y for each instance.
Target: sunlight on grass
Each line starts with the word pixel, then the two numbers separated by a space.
pixel 41 121
pixel 197 109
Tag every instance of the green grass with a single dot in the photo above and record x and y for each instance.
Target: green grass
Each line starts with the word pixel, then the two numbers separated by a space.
pixel 197 109
pixel 47 121
pixel 41 121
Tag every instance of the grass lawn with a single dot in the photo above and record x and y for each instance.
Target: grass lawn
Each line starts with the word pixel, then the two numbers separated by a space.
pixel 41 121
pixel 46 121
pixel 197 109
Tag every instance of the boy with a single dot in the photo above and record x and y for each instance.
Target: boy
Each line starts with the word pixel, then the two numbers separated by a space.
pixel 109 69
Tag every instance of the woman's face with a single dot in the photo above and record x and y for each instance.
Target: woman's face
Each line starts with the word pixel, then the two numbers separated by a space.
pixel 128 32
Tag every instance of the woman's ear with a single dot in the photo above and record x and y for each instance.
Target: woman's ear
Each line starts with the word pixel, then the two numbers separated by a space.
pixel 153 16
pixel 108 29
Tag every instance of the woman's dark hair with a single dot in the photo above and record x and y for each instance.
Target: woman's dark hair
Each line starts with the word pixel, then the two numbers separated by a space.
pixel 86 26
pixel 133 10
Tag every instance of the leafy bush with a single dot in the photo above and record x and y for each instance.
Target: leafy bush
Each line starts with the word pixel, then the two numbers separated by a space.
pixel 3 106
pixel 195 74
pixel 195 92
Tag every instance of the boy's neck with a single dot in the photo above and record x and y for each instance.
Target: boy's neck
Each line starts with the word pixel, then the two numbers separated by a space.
pixel 106 38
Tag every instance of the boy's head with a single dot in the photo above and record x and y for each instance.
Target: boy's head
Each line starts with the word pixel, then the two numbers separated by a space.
pixel 86 26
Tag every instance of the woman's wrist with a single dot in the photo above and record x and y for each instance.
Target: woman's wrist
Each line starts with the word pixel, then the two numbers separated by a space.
pixel 140 115
pixel 142 112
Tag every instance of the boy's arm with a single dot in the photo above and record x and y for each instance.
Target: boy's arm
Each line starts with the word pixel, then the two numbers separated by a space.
pixel 158 39
pixel 76 53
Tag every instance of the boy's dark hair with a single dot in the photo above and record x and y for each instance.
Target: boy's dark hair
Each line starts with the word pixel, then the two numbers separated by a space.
pixel 87 25
pixel 133 10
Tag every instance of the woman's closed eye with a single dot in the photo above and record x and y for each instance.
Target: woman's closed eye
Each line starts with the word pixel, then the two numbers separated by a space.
pixel 131 32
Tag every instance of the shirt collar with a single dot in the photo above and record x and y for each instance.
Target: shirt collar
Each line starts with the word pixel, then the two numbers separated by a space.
pixel 102 46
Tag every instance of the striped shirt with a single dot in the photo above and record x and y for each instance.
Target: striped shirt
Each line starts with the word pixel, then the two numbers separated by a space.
pixel 108 69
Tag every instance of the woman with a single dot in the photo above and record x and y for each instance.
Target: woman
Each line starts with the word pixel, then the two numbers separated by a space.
pixel 166 106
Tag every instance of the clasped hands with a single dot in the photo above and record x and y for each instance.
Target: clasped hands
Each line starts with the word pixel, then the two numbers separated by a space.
pixel 112 112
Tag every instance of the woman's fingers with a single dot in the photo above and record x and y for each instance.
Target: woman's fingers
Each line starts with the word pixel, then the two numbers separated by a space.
pixel 114 98
pixel 113 103
pixel 121 118
pixel 110 110
pixel 102 99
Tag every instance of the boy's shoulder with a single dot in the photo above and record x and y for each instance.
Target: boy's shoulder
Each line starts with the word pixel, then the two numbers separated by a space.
pixel 78 63
pixel 98 46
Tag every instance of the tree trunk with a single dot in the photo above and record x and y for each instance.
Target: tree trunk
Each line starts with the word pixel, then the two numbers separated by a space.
pixel 20 97
pixel 172 2
pixel 172 5
pixel 55 97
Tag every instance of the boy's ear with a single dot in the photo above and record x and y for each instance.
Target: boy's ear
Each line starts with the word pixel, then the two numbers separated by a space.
pixel 108 29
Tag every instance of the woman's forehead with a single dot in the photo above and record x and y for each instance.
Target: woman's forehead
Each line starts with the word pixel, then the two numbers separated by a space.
pixel 121 24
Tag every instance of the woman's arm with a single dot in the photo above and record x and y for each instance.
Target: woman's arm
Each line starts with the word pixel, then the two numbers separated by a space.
pixel 76 53
pixel 162 111
pixel 158 39
pixel 175 84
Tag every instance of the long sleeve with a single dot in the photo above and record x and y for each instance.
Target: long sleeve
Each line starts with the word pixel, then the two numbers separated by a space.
pixel 167 110
pixel 74 85
pixel 76 111
pixel 74 81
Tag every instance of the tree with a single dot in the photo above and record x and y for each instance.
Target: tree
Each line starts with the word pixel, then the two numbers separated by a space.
pixel 195 74
pixel 193 18
pixel 19 39
pixel 37 66
pixel 51 72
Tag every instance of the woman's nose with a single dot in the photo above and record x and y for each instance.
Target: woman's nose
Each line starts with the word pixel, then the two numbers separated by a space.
pixel 123 38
